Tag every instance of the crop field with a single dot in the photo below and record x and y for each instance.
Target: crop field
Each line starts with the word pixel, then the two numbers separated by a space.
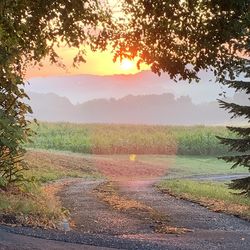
pixel 129 139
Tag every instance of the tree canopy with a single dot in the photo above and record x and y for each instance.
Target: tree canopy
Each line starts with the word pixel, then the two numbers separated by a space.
pixel 184 37
pixel 30 30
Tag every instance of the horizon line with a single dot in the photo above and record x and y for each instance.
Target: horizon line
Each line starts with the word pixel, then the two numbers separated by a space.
pixel 74 75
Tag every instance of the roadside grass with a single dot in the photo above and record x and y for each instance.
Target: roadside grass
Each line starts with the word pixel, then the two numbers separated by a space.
pixel 215 196
pixel 34 208
pixel 186 166
pixel 36 204
pixel 49 166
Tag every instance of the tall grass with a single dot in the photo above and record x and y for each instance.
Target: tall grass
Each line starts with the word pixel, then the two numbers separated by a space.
pixel 138 139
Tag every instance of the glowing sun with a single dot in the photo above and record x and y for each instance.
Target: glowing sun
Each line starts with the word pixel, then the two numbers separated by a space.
pixel 127 64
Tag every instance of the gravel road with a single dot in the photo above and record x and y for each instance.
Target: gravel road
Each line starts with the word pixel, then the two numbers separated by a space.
pixel 98 226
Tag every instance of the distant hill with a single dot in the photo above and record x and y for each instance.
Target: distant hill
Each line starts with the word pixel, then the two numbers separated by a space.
pixel 82 88
pixel 143 109
pixel 51 107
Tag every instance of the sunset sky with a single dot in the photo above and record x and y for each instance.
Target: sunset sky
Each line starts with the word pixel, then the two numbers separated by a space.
pixel 98 63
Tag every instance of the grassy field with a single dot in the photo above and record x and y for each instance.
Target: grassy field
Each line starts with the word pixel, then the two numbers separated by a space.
pixel 128 139
pixel 185 166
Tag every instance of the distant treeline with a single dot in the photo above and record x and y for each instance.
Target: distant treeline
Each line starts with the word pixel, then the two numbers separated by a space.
pixel 145 109
pixel 129 139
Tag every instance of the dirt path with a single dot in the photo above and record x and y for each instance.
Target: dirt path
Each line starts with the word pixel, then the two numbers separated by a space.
pixel 90 215
pixel 182 213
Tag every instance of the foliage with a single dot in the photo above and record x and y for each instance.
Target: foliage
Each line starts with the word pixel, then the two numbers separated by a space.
pixel 14 130
pixel 182 37
pixel 241 144
pixel 30 30
pixel 129 139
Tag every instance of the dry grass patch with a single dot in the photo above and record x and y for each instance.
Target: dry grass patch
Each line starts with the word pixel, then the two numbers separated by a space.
pixel 120 167
pixel 47 166
pixel 172 230
pixel 108 193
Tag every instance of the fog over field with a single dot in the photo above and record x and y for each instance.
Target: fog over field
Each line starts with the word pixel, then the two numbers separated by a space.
pixel 143 98
pixel 82 88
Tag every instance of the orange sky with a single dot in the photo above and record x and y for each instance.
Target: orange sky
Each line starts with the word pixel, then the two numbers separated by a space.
pixel 97 64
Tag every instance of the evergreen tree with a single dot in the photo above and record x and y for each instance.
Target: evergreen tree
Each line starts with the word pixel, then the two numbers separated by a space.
pixel 241 144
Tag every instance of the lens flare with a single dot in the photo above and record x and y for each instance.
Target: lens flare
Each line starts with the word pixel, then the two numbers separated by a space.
pixel 132 157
